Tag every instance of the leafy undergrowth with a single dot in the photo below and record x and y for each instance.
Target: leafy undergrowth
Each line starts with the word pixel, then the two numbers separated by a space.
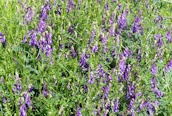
pixel 85 57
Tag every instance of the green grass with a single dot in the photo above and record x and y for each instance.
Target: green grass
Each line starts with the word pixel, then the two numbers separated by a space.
pixel 18 59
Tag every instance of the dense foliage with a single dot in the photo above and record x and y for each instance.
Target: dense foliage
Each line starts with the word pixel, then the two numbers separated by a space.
pixel 85 57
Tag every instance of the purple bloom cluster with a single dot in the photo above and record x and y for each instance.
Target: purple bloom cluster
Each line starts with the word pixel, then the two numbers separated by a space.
pixel 24 103
pixel 78 111
pixel 122 21
pixel 169 65
pixel 83 62
pixel 155 89
pixel 70 5
pixel 116 105
pixel 2 39
pixel 44 91
pixel 137 28
pixel 150 106
pixel 169 36
pixel 29 15
pixel 17 85
pixel 95 48
pixel 158 37
pixel 154 69
pixel 45 41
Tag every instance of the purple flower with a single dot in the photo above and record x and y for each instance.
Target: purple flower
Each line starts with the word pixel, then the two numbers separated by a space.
pixel 18 87
pixel 27 100
pixel 126 73
pixel 131 91
pixel 112 31
pixel 23 110
pixel 169 65
pixel 48 37
pixel 155 89
pixel 70 30
pixel 70 5
pixel 2 39
pixel 137 26
pixel 142 105
pixel 122 66
pixel 111 20
pixel 131 104
pixel 119 6
pixel 33 40
pixel 100 71
pixel 29 15
pixel 44 11
pixel 116 106
pixel 73 52
pixel 48 50
pixel 106 91
pixel 4 100
pixel 95 48
pixel 139 53
pixel 45 94
pixel 154 69
pixel 24 39
pixel 168 36
pixel 158 19
pixel 158 37
pixel 106 6
pixel 78 111
pixel 122 21
pixel 42 26
pixel 91 80
pixel 83 64
pixel 92 37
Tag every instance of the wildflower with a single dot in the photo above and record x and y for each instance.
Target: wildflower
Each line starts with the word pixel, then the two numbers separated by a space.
pixel 158 37
pixel 24 39
pixel 106 6
pixel 45 94
pixel 154 69
pixel 139 53
pixel 100 71
pixel 48 50
pixel 33 40
pixel 29 15
pixel 42 26
pixel 83 64
pixel 70 30
pixel 111 20
pixel 116 106
pixel 169 65
pixel 48 37
pixel 73 52
pixel 78 111
pixel 2 39
pixel 126 72
pixel 106 91
pixel 112 30
pixel 137 26
pixel 23 110
pixel 91 80
pixel 168 36
pixel 27 99
pixel 122 21
pixel 158 19
pixel 155 89
pixel 122 66
pixel 142 105
pixel 95 48
pixel 70 5
pixel 131 91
